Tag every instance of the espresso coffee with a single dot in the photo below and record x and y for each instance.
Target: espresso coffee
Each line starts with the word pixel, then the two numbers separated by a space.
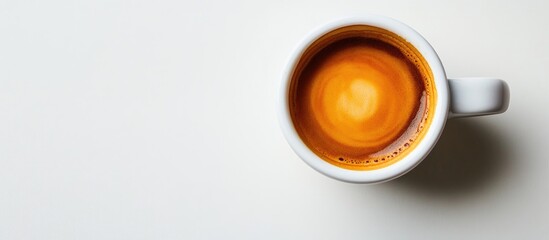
pixel 361 97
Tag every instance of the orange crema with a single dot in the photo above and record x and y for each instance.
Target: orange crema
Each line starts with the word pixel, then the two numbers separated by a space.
pixel 361 101
pixel 359 90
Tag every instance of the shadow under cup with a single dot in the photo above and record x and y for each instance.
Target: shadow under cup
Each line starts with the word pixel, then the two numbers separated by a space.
pixel 361 97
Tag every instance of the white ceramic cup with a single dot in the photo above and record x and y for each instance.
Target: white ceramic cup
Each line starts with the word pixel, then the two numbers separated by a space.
pixel 455 98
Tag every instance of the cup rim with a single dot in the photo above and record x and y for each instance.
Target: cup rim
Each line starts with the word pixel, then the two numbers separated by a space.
pixel 413 158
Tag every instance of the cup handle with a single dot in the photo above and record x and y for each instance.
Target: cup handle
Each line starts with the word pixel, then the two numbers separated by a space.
pixel 477 96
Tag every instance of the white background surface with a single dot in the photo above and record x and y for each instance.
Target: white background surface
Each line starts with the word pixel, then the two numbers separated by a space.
pixel 156 120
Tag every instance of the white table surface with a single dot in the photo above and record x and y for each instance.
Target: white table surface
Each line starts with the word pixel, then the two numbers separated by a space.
pixel 156 120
